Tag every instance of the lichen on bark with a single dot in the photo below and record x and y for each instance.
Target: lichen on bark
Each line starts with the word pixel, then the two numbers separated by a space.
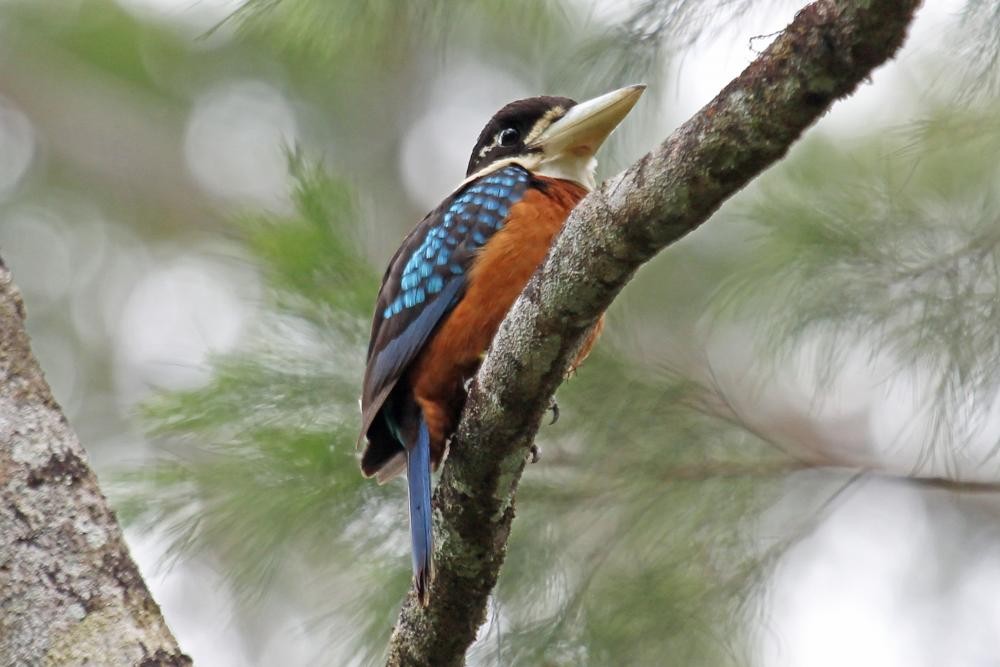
pixel 70 594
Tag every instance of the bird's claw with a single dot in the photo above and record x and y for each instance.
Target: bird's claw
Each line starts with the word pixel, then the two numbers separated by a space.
pixel 554 407
pixel 536 453
pixel 467 384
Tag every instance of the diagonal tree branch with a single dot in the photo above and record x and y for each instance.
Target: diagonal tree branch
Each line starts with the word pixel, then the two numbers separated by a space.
pixel 830 47
pixel 70 594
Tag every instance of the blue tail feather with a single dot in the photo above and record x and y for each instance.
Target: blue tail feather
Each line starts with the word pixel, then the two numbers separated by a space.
pixel 418 480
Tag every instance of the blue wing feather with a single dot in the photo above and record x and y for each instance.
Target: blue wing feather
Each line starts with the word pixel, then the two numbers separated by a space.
pixel 427 277
pixel 402 349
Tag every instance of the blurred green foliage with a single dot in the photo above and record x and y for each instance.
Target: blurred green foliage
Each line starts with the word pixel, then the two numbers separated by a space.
pixel 895 244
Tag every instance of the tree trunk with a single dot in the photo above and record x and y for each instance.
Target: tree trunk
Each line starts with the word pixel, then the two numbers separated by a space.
pixel 830 48
pixel 70 594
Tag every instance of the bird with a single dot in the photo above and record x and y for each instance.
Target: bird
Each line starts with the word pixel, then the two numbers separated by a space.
pixel 454 277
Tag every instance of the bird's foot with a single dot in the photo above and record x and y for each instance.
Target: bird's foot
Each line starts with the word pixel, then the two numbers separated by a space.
pixel 536 453
pixel 467 384
pixel 554 407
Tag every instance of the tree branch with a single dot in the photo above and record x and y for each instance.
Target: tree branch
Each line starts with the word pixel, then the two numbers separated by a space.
pixel 830 47
pixel 69 591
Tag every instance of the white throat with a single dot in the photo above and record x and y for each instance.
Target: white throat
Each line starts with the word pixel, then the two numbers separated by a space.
pixel 579 169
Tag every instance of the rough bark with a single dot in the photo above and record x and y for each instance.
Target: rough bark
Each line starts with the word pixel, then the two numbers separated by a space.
pixel 830 47
pixel 69 591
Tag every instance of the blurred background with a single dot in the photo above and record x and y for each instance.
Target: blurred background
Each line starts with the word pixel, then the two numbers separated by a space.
pixel 197 198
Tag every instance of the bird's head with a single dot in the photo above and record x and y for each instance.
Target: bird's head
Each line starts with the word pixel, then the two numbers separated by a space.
pixel 552 136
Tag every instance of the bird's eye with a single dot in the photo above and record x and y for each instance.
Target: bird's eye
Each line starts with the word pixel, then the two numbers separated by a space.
pixel 509 137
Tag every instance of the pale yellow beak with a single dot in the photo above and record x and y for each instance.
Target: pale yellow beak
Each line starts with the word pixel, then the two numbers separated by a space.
pixel 585 126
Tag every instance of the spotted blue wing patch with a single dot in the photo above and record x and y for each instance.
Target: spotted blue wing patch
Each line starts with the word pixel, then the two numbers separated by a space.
pixel 471 218
pixel 427 276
